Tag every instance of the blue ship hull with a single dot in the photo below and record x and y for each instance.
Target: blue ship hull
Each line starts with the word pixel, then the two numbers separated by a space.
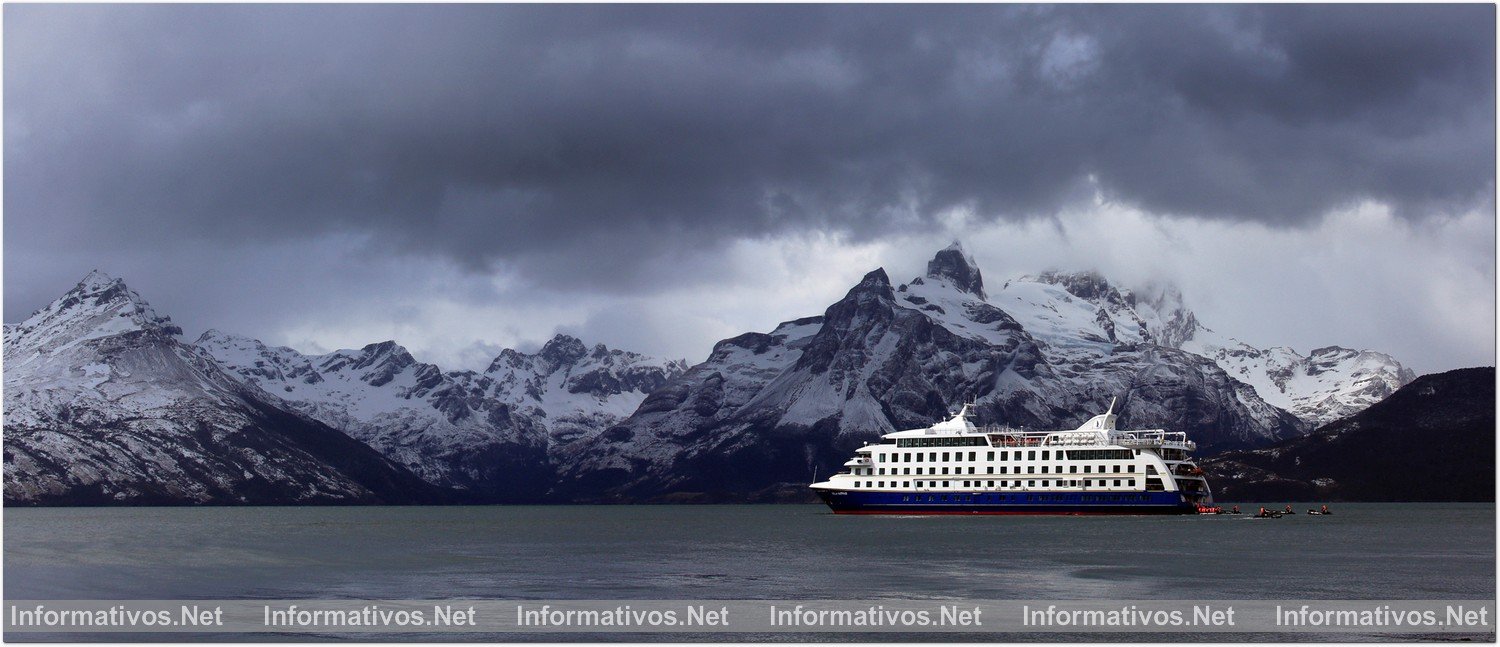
pixel 1033 502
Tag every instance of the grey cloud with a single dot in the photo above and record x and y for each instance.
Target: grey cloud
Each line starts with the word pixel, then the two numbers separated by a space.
pixel 568 143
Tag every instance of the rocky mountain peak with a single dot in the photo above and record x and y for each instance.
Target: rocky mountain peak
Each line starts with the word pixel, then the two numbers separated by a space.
pixel 1088 285
pixel 98 306
pixel 99 290
pixel 1172 323
pixel 877 283
pixel 97 281
pixel 375 364
pixel 379 363
pixel 509 358
pixel 386 351
pixel 563 350
pixel 214 336
pixel 849 323
pixel 957 267
pixel 99 287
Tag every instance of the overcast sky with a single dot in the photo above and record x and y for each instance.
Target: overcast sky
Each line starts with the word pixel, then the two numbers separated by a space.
pixel 464 178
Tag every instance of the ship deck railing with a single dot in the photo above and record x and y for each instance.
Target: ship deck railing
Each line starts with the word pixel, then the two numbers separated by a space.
pixel 1147 439
pixel 1153 439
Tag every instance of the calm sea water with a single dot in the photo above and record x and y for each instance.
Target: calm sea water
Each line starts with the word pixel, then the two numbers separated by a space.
pixel 1364 551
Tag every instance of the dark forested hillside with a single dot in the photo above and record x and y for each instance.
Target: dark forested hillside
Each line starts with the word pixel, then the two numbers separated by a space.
pixel 1431 440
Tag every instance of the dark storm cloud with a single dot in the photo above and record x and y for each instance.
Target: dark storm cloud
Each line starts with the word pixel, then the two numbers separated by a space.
pixel 569 141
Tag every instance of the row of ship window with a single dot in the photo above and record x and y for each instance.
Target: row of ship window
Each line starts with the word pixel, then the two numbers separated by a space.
pixel 1072 454
pixel 1000 484
pixel 1030 469
pixel 945 441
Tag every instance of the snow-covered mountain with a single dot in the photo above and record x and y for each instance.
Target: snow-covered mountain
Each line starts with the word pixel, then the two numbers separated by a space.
pixel 1326 385
pixel 495 433
pixel 104 405
pixel 769 409
pixel 1082 312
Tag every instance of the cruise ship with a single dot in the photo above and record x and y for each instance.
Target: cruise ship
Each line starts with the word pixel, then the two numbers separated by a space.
pixel 954 467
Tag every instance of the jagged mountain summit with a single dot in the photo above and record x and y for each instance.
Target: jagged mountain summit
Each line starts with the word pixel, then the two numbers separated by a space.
pixel 768 409
pixel 497 433
pixel 104 405
pixel 958 268
pixel 1083 313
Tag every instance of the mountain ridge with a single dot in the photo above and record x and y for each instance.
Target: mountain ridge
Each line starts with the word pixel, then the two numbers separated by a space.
pixel 573 422
pixel 104 405
pixel 764 411
pixel 494 433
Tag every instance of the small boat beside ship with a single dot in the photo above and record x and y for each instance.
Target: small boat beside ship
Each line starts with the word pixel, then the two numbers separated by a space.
pixel 955 467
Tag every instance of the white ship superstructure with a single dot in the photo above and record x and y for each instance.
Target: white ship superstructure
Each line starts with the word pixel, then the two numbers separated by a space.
pixel 956 467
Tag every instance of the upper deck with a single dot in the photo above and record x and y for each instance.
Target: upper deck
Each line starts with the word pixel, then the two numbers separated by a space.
pixel 1098 431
